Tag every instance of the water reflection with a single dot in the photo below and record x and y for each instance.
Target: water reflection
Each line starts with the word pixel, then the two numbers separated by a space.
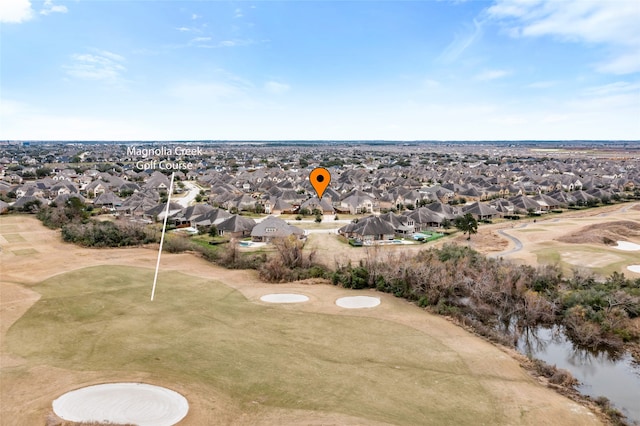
pixel 601 373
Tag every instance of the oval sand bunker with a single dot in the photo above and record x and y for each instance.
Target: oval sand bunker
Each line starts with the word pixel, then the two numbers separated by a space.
pixel 284 298
pixel 136 403
pixel 627 246
pixel 634 268
pixel 357 302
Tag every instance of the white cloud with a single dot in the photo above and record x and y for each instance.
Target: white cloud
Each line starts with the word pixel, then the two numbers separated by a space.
pixel 195 16
pixel 49 7
pixel 610 23
pixel 223 43
pixel 614 88
pixel 212 91
pixel 200 39
pixel 626 63
pixel 15 11
pixel 103 65
pixel 238 13
pixel 222 86
pixel 492 75
pixel 276 88
pixel 228 43
pixel 461 42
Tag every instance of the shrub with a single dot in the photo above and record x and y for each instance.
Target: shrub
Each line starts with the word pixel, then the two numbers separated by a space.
pixel 106 234
pixel 177 244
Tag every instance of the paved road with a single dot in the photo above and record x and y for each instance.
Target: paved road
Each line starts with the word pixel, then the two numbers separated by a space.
pixel 626 208
pixel 192 191
pixel 517 242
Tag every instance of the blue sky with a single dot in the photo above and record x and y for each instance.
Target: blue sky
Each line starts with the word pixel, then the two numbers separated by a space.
pixel 253 70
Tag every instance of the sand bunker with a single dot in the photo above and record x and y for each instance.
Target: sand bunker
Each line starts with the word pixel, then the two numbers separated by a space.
pixel 284 298
pixel 634 268
pixel 627 246
pixel 132 403
pixel 357 302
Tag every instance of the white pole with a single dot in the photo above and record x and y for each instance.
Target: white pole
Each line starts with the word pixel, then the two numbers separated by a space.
pixel 164 228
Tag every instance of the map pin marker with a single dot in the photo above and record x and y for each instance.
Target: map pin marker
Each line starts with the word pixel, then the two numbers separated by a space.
pixel 320 178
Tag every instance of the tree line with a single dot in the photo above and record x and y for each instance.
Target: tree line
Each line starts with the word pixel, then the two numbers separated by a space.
pixel 73 218
pixel 501 299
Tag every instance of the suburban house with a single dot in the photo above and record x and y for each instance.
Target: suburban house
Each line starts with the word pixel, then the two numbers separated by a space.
pixel 213 216
pixel 324 205
pixel 236 226
pixel 107 199
pixel 369 229
pixel 358 203
pixel 278 206
pixel 158 212
pixel 402 225
pixel 481 211
pixel 273 227
pixel 424 218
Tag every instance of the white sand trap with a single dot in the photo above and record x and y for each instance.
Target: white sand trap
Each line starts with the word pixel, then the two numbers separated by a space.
pixel 357 302
pixel 284 298
pixel 634 268
pixel 134 403
pixel 627 246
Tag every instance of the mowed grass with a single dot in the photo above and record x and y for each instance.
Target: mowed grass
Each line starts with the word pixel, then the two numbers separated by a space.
pixel 24 252
pixel 200 331
pixel 14 238
pixel 591 258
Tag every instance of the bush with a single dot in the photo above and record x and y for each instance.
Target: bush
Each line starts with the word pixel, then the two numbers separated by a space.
pixel 317 272
pixel 177 244
pixel 73 211
pixel 106 234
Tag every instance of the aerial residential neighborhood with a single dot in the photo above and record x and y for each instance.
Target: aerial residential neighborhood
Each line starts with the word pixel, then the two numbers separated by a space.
pixel 285 213
pixel 407 188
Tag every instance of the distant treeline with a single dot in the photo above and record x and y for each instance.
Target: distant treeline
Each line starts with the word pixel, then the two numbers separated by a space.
pixel 73 218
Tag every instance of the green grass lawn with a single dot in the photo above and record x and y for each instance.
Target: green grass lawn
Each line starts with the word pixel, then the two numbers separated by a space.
pixel 200 331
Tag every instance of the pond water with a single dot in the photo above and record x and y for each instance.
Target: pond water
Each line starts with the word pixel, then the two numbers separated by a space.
pixel 599 374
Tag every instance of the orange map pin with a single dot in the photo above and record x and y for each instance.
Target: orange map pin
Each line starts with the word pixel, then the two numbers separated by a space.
pixel 320 178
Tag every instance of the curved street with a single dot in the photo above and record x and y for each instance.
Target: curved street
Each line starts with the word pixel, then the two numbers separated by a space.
pixel 517 244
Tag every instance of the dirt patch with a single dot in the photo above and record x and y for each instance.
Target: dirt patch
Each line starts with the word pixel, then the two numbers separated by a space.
pixel 485 241
pixel 603 233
